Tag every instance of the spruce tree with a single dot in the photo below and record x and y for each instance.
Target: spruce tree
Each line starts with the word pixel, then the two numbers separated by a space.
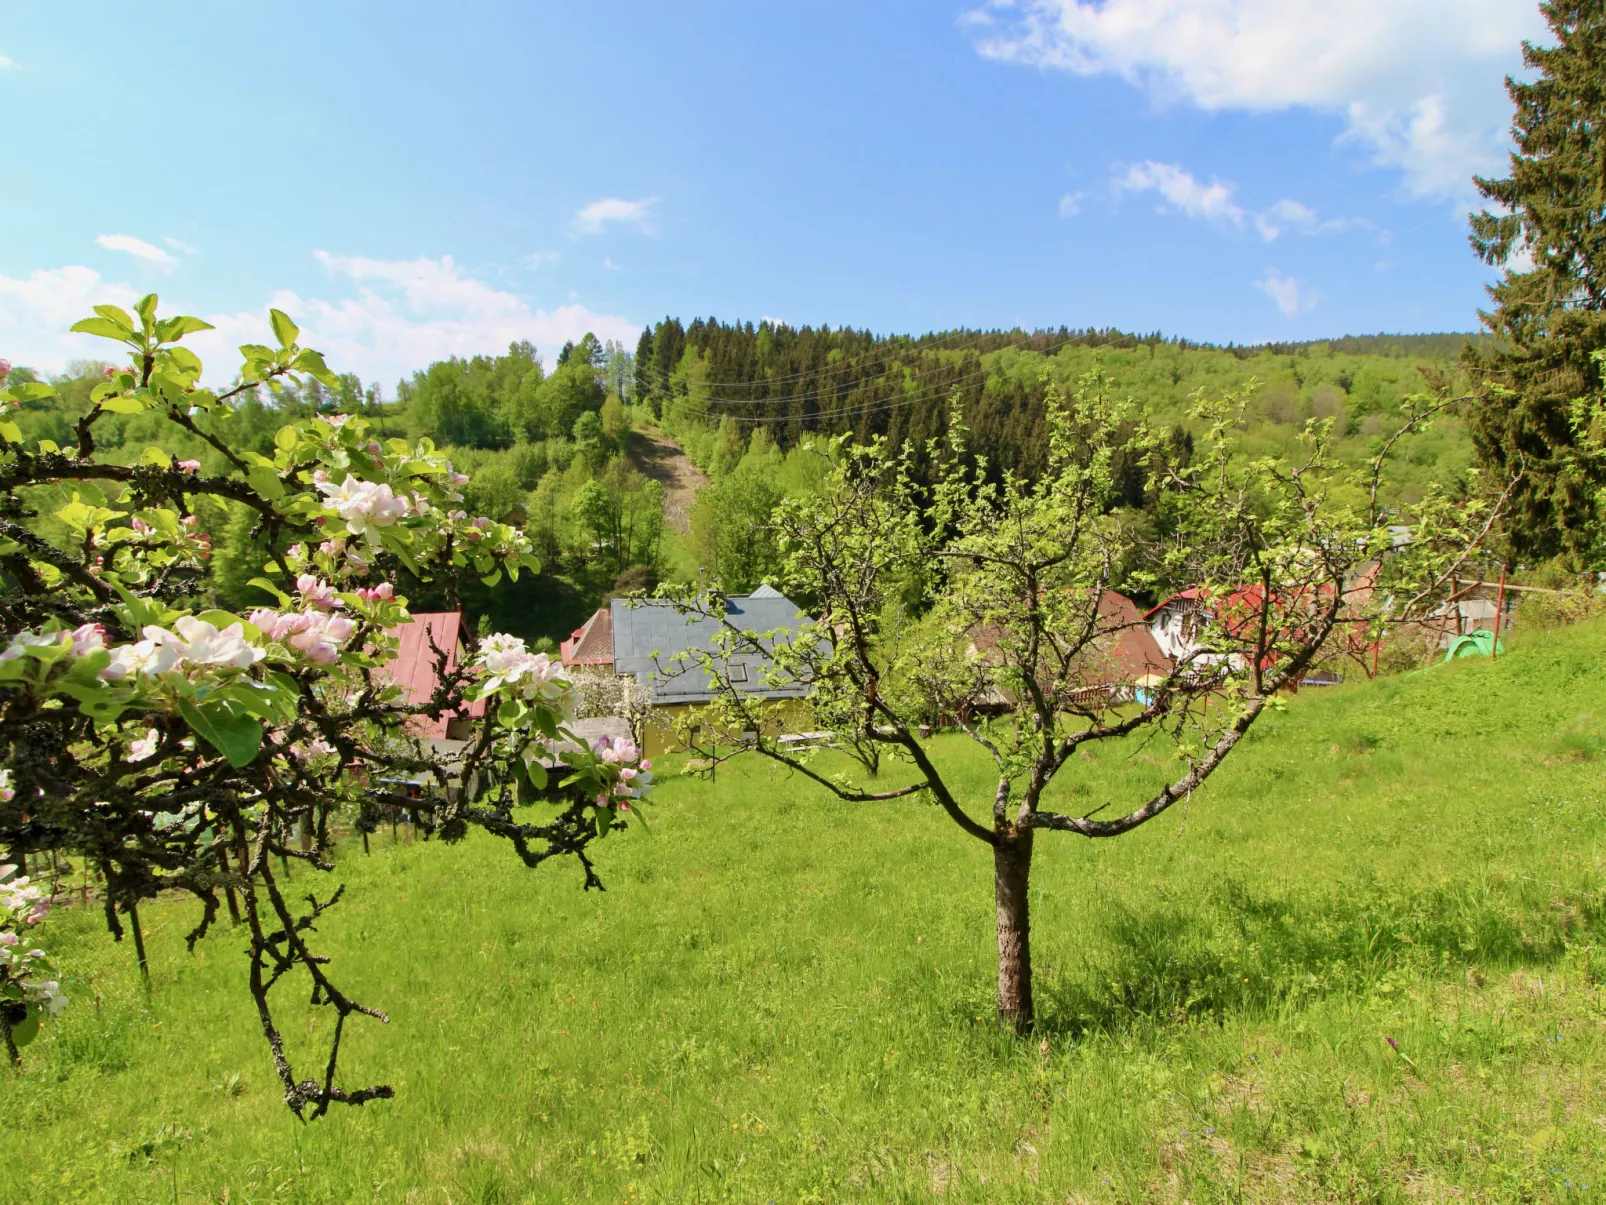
pixel 1547 230
pixel 645 389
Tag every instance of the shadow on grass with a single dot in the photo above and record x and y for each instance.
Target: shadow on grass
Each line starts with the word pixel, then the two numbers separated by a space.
pixel 1236 950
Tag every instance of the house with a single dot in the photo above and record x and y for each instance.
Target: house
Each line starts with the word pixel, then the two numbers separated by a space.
pixel 417 669
pixel 641 638
pixel 591 644
pixel 1175 624
pixel 1122 662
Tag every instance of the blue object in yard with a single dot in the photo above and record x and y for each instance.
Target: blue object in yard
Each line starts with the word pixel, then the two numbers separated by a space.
pixel 1473 644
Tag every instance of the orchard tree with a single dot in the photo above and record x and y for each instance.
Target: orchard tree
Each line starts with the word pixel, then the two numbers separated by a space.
pixel 1282 555
pixel 177 746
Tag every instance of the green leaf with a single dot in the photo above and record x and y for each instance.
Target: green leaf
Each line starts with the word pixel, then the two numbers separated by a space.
pixel 145 307
pixel 265 481
pixel 10 432
pixel 262 583
pixel 176 328
pixel 266 702
pixel 283 329
pixel 311 363
pixel 185 360
pixel 604 821
pixel 25 1030
pixel 125 404
pixel 105 328
pixel 116 314
pixel 537 773
pixel 32 391
pixel 227 726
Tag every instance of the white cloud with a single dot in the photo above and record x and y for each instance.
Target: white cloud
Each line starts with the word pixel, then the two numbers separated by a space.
pixel 179 245
pixel 1211 201
pixel 607 262
pixel 405 314
pixel 35 312
pixel 1417 83
pixel 1071 204
pixel 1291 294
pixel 1214 202
pixel 540 259
pixel 410 312
pixel 598 214
pixel 138 248
pixel 5 62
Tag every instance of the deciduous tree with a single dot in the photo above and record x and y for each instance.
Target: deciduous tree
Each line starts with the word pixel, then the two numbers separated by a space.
pixel 1016 575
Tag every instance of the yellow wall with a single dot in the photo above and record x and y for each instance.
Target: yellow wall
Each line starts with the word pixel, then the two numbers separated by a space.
pixel 659 734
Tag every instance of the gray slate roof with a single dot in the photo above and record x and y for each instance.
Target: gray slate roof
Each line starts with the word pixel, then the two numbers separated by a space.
pixel 653 625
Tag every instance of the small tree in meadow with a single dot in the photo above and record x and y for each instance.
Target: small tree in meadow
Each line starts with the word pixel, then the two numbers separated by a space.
pixel 175 746
pixel 1013 572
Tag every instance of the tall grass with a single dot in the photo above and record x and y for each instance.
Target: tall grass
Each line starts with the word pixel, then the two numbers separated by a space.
pixel 1362 965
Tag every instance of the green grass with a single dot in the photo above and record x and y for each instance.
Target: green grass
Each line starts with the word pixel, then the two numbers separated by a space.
pixel 782 998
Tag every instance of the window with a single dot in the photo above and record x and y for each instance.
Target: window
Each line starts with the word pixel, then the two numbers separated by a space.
pixel 738 673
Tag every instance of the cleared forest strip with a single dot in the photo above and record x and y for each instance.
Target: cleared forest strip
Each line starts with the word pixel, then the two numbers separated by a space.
pixel 664 462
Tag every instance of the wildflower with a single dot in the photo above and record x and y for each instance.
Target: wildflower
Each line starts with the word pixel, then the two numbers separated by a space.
pixel 5 369
pixel 380 593
pixel 144 657
pixel 29 639
pixel 7 791
pixel 317 592
pixel 317 754
pixel 86 638
pixel 363 505
pixel 316 635
pixel 145 746
pixel 187 466
pixel 201 643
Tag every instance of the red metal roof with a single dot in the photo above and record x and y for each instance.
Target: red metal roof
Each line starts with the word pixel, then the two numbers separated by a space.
pixel 415 665
pixel 592 642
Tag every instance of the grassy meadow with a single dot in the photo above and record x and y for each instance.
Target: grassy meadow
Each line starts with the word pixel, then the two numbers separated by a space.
pixel 784 998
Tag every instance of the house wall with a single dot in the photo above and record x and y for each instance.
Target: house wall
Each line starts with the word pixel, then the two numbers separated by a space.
pixel 659 733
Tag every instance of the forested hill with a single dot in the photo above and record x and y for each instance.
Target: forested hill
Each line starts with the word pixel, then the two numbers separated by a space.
pixel 710 377
pixel 553 442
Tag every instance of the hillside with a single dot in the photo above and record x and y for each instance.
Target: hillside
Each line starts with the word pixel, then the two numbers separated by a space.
pixel 585 448
pixel 1363 964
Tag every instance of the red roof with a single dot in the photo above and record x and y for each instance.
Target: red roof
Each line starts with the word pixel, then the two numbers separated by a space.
pixel 1124 649
pixel 415 663
pixel 592 642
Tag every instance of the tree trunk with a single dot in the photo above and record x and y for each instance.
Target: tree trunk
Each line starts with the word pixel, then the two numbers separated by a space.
pixel 1012 869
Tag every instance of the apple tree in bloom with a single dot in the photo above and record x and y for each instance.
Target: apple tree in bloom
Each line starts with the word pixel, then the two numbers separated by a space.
pixel 175 746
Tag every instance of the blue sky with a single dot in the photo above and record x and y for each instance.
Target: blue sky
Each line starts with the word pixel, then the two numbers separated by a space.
pixel 414 180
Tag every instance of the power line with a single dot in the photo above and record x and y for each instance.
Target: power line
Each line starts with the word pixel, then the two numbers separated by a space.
pixel 935 392
pixel 913 340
